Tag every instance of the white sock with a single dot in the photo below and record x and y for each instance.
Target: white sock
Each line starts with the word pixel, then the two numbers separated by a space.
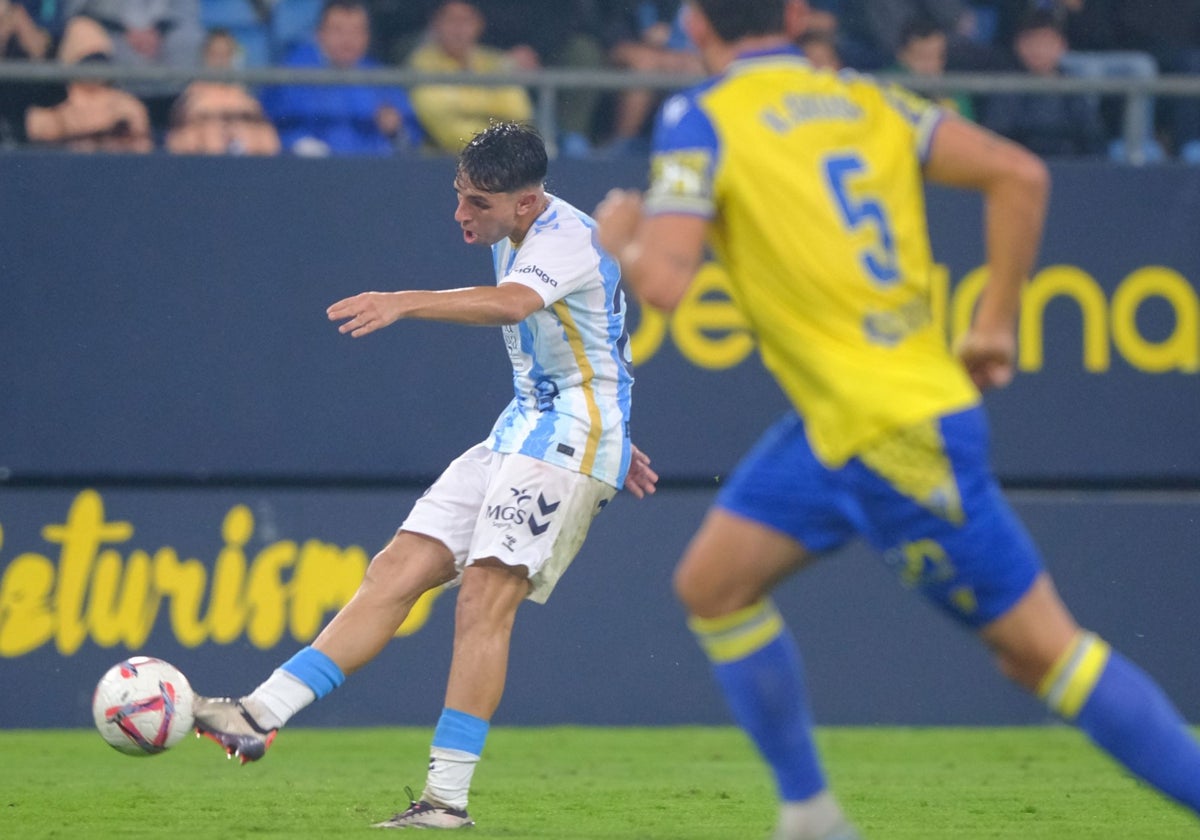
pixel 274 702
pixel 817 818
pixel 449 779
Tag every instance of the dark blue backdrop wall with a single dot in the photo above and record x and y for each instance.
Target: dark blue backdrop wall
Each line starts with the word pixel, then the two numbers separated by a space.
pixel 195 464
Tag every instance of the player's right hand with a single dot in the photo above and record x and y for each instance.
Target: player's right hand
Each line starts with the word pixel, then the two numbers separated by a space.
pixel 617 218
pixel 640 480
pixel 366 312
pixel 988 357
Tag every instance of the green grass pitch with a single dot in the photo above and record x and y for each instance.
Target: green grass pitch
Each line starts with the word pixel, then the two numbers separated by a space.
pixel 571 783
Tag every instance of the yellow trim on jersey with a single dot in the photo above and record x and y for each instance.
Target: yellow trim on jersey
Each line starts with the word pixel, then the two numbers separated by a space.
pixel 1071 681
pixel 913 460
pixel 739 634
pixel 563 312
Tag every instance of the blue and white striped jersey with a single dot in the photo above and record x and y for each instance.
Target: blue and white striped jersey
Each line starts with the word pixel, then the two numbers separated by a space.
pixel 571 365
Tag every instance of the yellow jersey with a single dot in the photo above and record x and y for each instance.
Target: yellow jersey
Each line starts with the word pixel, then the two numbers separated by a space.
pixel 812 183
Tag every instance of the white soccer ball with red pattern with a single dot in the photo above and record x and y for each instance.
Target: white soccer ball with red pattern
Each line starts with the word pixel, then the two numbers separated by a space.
pixel 143 706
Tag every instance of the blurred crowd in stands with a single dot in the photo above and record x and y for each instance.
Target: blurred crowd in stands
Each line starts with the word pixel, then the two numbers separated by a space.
pixel 1087 38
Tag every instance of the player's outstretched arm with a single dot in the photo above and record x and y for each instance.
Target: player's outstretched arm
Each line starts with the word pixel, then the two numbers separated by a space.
pixel 659 254
pixel 640 480
pixel 508 303
pixel 1015 186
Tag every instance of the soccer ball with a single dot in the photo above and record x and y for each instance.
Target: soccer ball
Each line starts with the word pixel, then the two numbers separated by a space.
pixel 142 706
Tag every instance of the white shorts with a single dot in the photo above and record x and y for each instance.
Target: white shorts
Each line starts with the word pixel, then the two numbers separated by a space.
pixel 517 509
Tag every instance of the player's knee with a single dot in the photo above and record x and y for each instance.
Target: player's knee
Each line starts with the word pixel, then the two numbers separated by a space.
pixel 403 570
pixel 479 614
pixel 1024 668
pixel 687 588
pixel 489 597
pixel 703 595
pixel 1009 667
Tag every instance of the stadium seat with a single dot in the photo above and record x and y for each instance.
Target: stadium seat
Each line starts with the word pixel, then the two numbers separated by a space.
pixel 293 22
pixel 987 20
pixel 229 14
pixel 256 45
pixel 1121 64
pixel 242 21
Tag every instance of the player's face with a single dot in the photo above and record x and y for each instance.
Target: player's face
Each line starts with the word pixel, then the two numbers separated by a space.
pixel 485 217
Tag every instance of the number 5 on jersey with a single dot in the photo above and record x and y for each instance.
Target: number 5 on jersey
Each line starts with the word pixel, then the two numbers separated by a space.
pixel 879 260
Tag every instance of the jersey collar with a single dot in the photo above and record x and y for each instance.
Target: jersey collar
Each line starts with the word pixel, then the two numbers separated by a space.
pixel 786 51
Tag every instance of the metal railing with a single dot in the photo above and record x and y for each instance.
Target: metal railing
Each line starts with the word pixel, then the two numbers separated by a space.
pixel 1137 93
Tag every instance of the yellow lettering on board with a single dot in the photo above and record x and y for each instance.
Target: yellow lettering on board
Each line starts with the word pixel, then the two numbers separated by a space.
pixel 1064 281
pixel 95 592
pixel 183 584
pixel 327 576
pixel 267 595
pixel 26 612
pixel 228 610
pixel 648 337
pixel 709 331
pixel 708 328
pixel 118 600
pixel 1180 350
pixel 79 537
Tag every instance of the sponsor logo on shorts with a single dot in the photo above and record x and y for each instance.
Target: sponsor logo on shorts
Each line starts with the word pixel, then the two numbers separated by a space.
pixel 506 513
pixel 546 509
pixel 516 513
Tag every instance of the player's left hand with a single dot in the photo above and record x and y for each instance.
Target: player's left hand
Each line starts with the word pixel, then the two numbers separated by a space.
pixel 366 312
pixel 617 218
pixel 640 479
pixel 988 357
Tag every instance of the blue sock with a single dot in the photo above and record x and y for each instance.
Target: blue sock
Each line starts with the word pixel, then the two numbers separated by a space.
pixel 1128 715
pixel 758 666
pixel 460 731
pixel 315 670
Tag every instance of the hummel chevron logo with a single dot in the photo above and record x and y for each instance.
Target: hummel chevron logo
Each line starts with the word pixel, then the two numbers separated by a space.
pixel 546 508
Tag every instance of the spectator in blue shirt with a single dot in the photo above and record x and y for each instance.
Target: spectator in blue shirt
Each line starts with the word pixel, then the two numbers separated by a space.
pixel 322 120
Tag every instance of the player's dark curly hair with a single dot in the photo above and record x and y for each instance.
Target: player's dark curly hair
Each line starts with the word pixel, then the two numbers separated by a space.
pixel 735 19
pixel 504 157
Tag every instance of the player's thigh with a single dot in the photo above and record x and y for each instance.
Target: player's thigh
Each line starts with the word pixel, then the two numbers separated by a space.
pixel 780 506
pixel 535 517
pixel 409 565
pixel 1031 637
pixel 448 510
pixel 733 562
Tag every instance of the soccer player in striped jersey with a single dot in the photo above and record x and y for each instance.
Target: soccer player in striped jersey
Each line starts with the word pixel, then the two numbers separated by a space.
pixel 505 518
pixel 807 185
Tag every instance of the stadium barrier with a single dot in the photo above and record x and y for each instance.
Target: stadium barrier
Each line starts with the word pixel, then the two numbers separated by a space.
pixel 196 465
pixel 1135 92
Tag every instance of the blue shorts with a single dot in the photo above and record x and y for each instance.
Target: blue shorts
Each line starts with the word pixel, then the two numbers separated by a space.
pixel 926 499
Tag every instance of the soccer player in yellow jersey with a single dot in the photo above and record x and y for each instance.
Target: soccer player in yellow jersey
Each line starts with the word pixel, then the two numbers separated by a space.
pixel 807 186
